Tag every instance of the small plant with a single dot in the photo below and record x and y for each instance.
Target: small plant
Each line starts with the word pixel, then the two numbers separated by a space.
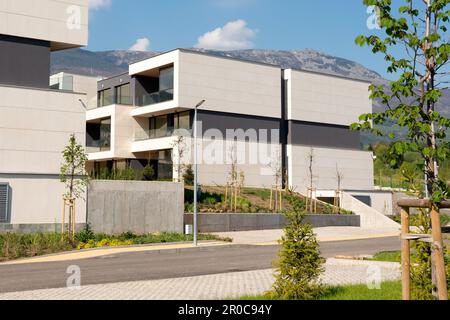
pixel 148 174
pixel 188 175
pixel 300 264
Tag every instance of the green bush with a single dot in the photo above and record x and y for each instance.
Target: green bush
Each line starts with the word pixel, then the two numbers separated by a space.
pixel 148 174
pixel 300 264
pixel 188 175
pixel 14 245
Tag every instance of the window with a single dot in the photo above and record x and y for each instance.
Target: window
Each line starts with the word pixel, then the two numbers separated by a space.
pixel 166 79
pixel 184 120
pixel 123 94
pixel 4 202
pixel 105 98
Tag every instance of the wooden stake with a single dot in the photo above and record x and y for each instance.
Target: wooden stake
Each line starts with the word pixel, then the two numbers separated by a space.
pixel 438 253
pixel 406 256
pixel 271 196
pixel 63 220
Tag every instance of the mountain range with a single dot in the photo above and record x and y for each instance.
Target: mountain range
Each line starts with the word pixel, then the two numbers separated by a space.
pixel 108 63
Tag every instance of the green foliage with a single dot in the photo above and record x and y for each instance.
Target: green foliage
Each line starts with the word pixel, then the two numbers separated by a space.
pixel 411 99
pixel 188 175
pixel 300 264
pixel 16 245
pixel 72 171
pixel 148 174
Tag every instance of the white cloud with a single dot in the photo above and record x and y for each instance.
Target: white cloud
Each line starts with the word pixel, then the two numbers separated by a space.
pixel 99 4
pixel 142 44
pixel 235 35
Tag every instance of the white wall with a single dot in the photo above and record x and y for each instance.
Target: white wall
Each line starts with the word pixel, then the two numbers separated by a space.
pixel 122 131
pixel 35 126
pixel 46 20
pixel 229 85
pixel 326 99
pixel 355 166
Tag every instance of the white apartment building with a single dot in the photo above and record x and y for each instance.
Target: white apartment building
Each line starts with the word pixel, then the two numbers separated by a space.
pixel 36 116
pixel 139 115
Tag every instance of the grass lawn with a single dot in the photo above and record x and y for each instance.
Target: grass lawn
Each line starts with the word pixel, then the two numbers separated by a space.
pixel 388 291
pixel 388 256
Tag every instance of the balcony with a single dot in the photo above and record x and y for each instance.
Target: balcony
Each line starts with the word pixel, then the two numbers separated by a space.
pixel 154 98
pixel 161 133
pixel 61 82
pixel 98 146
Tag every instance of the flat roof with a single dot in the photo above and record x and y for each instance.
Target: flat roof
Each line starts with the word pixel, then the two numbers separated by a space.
pixel 210 54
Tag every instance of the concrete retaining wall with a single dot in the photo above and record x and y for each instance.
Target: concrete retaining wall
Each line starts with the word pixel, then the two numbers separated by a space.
pixel 247 222
pixel 115 207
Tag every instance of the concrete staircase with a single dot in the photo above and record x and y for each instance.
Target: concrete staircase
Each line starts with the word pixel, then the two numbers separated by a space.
pixel 370 218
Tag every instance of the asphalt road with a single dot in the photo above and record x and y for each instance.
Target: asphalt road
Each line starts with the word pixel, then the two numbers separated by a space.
pixel 152 265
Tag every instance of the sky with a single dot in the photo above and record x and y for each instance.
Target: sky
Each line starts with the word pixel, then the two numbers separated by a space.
pixel 329 26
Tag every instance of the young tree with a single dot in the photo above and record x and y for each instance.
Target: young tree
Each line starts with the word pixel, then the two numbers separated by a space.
pixel 416 48
pixel 300 264
pixel 73 175
pixel 179 148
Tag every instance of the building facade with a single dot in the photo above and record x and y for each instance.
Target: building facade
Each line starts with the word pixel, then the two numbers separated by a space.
pixel 265 120
pixel 36 116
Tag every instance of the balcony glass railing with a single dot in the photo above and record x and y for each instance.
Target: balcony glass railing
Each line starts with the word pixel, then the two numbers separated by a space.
pixel 124 100
pixel 154 98
pixel 98 146
pixel 161 133
pixel 64 83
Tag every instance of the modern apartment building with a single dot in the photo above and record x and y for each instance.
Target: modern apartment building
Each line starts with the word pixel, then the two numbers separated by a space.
pixel 36 116
pixel 266 119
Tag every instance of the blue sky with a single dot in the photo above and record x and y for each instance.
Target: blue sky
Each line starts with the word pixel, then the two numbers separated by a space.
pixel 329 26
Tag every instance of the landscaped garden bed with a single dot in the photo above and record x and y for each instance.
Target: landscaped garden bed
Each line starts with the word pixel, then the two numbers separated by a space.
pixel 15 245
pixel 214 199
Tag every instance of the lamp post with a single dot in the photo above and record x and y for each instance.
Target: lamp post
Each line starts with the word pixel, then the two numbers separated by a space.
pixel 196 174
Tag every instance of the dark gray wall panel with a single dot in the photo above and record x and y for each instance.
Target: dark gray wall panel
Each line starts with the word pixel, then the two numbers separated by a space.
pixel 24 62
pixel 227 121
pixel 323 135
pixel 114 81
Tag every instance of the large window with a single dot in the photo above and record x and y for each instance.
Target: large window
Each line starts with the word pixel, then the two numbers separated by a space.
pixel 166 79
pixel 183 120
pixel 105 98
pixel 123 94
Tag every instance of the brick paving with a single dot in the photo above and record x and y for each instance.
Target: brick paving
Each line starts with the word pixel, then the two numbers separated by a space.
pixel 220 286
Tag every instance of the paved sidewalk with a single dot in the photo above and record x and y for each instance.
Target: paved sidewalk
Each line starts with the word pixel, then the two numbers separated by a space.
pixel 329 234
pixel 220 286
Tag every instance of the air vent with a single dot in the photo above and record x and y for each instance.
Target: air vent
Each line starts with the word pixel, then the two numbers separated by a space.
pixel 4 202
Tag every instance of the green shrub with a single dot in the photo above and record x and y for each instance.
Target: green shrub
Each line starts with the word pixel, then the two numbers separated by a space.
pixel 188 175
pixel 148 174
pixel 85 235
pixel 300 264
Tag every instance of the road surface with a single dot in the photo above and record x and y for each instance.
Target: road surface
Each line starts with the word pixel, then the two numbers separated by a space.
pixel 166 265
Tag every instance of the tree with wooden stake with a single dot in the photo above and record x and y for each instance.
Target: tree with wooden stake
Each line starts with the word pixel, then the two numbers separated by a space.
pixel 416 47
pixel 179 148
pixel 338 195
pixel 276 191
pixel 233 179
pixel 311 191
pixel 73 175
